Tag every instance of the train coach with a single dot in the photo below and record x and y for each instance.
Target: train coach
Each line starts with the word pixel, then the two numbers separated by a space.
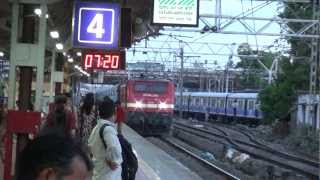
pixel 148 105
pixel 229 106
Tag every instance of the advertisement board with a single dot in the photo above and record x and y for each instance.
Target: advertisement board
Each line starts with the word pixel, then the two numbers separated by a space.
pixel 176 12
pixel 96 25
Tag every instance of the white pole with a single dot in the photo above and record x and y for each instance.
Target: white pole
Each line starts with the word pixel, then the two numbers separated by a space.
pixel 218 13
pixel 181 79
pixel 52 85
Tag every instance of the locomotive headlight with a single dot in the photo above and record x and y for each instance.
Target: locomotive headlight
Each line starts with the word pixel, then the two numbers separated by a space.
pixel 162 105
pixel 138 104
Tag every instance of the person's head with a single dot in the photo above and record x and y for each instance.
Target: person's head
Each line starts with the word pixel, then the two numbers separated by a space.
pixel 59 114
pixel 68 97
pixel 88 103
pixel 67 94
pixel 60 100
pixel 106 108
pixel 53 157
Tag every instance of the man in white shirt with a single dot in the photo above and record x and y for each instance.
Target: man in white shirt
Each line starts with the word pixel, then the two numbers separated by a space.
pixel 107 160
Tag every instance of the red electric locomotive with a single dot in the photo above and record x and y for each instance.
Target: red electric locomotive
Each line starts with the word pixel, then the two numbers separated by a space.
pixel 148 105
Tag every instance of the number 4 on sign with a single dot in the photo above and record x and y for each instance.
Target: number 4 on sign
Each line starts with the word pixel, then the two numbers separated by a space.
pixel 96 26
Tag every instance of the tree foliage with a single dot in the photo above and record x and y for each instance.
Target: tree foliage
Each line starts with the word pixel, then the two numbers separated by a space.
pixel 278 98
pixel 253 73
pixel 297 73
pixel 297 11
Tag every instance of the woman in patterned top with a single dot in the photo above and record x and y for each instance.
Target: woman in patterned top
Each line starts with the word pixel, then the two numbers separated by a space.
pixel 87 117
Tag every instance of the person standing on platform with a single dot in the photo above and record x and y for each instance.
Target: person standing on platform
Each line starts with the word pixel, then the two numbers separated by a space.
pixel 60 120
pixel 69 104
pixel 104 144
pixel 120 117
pixel 53 157
pixel 87 117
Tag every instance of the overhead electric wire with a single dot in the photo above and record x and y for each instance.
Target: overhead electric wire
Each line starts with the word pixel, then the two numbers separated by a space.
pixel 202 35
pixel 247 37
pixel 254 28
pixel 205 43
pixel 244 13
pixel 248 12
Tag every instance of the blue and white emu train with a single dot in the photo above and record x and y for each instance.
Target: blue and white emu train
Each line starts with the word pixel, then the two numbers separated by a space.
pixel 239 106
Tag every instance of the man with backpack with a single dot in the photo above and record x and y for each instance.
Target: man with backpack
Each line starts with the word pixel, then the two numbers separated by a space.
pixel 104 144
pixel 112 154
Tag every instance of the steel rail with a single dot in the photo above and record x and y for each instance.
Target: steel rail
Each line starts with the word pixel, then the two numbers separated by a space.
pixel 207 163
pixel 267 148
pixel 236 145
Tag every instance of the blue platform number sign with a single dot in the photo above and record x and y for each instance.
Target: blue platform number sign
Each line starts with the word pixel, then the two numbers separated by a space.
pixel 96 25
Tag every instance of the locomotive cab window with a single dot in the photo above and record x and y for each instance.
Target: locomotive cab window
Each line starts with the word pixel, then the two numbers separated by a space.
pixel 149 87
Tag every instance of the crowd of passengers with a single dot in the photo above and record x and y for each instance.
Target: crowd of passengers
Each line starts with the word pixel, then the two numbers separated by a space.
pixel 76 144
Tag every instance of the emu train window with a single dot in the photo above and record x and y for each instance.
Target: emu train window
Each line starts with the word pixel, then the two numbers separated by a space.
pixel 213 102
pixel 197 101
pixel 185 100
pixel 150 87
pixel 241 104
pixel 250 104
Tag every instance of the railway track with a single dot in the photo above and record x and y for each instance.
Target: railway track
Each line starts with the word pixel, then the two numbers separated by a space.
pixel 208 164
pixel 267 148
pixel 303 166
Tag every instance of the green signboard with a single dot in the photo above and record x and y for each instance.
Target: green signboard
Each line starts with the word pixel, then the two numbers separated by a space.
pixel 176 12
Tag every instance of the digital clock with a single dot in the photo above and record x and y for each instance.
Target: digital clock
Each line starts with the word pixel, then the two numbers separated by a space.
pixel 104 60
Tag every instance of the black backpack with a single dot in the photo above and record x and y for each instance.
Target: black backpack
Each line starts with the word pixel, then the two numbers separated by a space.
pixel 130 161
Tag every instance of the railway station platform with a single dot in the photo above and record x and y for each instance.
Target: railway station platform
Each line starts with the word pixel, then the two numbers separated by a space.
pixel 154 163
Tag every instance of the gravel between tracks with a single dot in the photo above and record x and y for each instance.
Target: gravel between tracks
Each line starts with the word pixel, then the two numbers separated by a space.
pixel 262 134
pixel 189 162
pixel 257 169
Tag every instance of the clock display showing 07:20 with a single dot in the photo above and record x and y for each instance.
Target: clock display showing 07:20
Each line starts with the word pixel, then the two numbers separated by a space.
pixel 102 61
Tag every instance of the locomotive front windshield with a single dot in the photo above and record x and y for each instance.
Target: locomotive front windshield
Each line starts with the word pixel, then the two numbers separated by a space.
pixel 151 87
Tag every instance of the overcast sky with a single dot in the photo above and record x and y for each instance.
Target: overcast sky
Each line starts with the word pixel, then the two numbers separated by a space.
pixel 230 8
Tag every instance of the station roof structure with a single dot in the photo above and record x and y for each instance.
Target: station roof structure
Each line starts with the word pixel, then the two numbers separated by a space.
pixel 60 19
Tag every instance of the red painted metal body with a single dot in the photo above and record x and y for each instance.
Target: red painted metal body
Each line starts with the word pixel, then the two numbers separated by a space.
pixel 23 122
pixel 137 96
pixel 18 122
pixel 148 105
